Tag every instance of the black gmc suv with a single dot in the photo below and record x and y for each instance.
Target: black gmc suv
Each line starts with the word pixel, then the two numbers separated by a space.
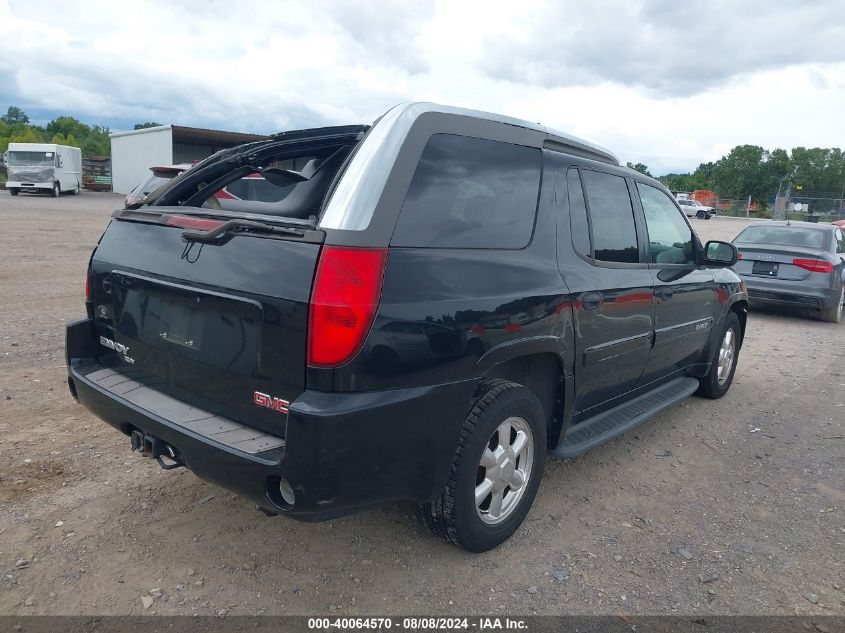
pixel 426 310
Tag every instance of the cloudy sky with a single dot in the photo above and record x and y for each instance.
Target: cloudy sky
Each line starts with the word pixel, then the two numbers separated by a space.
pixel 670 83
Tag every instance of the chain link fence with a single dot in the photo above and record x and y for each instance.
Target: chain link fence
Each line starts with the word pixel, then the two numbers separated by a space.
pixel 810 208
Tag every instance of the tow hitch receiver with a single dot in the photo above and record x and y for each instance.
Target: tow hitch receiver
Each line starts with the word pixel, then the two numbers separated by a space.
pixel 150 446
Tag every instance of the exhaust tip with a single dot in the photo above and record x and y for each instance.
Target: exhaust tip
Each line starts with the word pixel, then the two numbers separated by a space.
pixel 286 490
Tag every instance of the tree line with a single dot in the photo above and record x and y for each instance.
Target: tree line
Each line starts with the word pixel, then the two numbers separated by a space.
pixel 751 170
pixel 93 140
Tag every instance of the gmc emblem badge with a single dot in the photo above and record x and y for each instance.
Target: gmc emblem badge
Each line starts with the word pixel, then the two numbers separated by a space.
pixel 265 400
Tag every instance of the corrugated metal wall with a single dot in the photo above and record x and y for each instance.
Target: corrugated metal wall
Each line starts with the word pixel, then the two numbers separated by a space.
pixel 189 152
pixel 132 155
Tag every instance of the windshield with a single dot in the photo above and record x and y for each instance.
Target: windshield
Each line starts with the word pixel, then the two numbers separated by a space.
pixel 31 159
pixel 782 236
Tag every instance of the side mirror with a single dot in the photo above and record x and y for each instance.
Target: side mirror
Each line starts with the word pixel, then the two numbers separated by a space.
pixel 720 254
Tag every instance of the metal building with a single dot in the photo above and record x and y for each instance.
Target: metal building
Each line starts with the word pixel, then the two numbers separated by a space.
pixel 133 153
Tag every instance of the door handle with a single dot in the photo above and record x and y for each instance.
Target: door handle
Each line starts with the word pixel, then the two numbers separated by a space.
pixel 591 301
pixel 664 293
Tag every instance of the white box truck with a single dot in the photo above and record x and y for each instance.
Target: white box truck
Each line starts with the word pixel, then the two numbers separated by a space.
pixel 43 167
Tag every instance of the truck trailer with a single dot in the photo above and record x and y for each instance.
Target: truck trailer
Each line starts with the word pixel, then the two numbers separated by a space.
pixel 43 167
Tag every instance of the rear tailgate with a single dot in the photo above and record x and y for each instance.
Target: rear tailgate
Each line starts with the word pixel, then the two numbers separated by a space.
pixel 773 262
pixel 209 324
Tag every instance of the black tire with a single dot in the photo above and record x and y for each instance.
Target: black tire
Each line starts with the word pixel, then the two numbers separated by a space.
pixel 709 386
pixel 76 191
pixel 701 215
pixel 13 191
pixel 834 314
pixel 57 190
pixel 454 515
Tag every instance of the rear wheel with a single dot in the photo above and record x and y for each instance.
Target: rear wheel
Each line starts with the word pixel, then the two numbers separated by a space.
pixel 495 472
pixel 13 191
pixel 718 380
pixel 834 314
pixel 57 190
pixel 76 191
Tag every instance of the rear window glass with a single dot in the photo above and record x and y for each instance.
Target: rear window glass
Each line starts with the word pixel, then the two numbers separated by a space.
pixel 782 236
pixel 471 193
pixel 153 183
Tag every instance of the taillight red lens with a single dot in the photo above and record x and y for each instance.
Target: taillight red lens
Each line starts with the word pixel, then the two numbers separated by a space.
pixel 189 222
pixel 87 288
pixel 814 265
pixel 346 294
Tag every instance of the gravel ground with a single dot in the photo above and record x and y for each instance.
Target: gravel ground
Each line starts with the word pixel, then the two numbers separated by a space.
pixel 735 506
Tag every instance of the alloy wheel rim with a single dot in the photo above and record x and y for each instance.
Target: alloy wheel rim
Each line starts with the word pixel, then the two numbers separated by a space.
pixel 504 470
pixel 726 356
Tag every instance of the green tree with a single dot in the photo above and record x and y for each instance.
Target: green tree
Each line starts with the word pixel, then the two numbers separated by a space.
pixel 142 126
pixel 67 125
pixel 742 173
pixel 15 116
pixel 61 139
pixel 643 169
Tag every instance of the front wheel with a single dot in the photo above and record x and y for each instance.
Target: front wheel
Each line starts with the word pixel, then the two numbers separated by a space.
pixel 495 472
pixel 13 191
pixel 718 380
pixel 57 190
pixel 701 215
pixel 834 313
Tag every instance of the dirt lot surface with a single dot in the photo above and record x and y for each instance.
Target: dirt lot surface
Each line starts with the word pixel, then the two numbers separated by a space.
pixel 735 506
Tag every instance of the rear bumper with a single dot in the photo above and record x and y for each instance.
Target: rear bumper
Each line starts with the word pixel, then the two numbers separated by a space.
pixel 787 293
pixel 341 452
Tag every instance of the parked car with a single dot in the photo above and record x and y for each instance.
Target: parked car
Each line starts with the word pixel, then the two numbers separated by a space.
pixel 694 209
pixel 798 264
pixel 159 176
pixel 544 299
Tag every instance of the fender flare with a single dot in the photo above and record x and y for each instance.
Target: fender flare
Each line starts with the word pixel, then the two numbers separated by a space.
pixel 525 347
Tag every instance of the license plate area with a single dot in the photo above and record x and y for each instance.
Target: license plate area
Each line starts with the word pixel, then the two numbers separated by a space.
pixel 171 320
pixel 769 269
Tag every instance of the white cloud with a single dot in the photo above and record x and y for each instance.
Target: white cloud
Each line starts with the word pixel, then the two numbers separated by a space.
pixel 665 83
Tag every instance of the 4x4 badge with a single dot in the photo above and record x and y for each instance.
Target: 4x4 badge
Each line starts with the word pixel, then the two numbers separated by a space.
pixel 265 400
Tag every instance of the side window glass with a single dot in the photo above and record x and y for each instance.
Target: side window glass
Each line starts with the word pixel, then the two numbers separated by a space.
pixel 611 218
pixel 840 239
pixel 579 225
pixel 669 236
pixel 471 193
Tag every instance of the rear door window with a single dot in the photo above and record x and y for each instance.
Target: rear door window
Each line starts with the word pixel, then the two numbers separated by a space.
pixel 612 218
pixel 471 193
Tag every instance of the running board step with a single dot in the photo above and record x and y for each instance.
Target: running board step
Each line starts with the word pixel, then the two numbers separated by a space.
pixel 608 424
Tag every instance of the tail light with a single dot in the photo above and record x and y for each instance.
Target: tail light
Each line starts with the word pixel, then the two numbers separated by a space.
pixel 738 256
pixel 87 286
pixel 346 294
pixel 814 265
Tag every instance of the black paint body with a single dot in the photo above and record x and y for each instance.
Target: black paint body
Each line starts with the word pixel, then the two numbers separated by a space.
pixel 586 335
